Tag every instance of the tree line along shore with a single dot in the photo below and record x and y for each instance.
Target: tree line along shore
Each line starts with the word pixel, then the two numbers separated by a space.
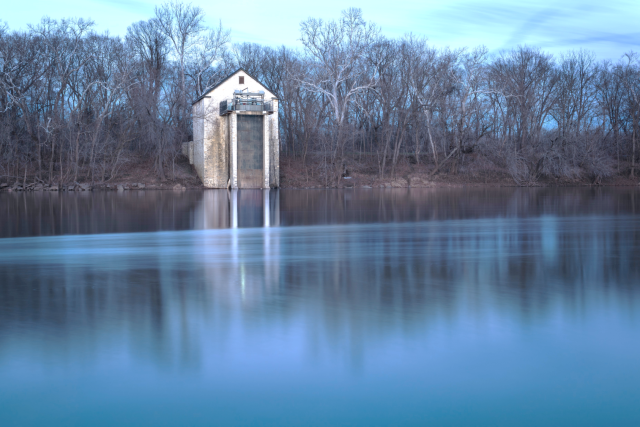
pixel 357 109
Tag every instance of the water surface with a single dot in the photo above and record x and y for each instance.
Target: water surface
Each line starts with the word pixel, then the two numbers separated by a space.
pixel 495 307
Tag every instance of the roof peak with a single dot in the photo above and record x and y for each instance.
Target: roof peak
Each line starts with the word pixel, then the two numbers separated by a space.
pixel 214 87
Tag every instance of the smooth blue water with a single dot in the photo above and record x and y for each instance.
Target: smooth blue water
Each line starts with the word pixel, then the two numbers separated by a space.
pixel 504 308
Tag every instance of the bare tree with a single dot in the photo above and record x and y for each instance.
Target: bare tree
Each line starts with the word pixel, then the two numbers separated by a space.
pixel 208 60
pixel 336 50
pixel 182 24
pixel 630 76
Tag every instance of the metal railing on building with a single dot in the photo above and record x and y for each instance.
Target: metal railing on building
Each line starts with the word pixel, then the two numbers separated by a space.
pixel 245 104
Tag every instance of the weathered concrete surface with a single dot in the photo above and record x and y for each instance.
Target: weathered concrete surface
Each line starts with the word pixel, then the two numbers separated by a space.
pixel 233 138
pixel 198 139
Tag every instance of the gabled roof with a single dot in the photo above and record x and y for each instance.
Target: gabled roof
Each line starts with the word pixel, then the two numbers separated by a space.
pixel 204 95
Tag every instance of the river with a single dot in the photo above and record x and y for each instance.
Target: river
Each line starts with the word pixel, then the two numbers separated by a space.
pixel 365 307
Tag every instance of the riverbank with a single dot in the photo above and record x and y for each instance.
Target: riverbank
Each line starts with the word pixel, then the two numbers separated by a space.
pixel 360 174
pixel 141 175
pixel 138 174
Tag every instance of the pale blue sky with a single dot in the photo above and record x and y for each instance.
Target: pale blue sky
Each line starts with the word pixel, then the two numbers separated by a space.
pixel 609 28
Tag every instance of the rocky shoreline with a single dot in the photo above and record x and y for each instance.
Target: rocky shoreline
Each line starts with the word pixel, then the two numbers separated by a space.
pixel 396 183
pixel 78 187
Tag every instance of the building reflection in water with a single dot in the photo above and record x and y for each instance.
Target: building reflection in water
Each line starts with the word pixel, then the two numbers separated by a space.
pixel 232 263
pixel 237 209
pixel 250 268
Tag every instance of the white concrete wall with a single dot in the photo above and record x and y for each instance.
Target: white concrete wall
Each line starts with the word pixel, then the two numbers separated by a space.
pixel 215 145
pixel 274 147
pixel 198 138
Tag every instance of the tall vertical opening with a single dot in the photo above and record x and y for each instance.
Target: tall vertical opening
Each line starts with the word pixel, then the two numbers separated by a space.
pixel 250 150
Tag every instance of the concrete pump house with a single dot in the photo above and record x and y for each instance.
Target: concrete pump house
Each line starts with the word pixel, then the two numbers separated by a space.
pixel 235 135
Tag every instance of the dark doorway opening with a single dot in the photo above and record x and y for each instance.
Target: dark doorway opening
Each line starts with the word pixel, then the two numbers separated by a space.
pixel 250 151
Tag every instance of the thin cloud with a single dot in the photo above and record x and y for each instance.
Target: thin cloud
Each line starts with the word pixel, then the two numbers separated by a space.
pixel 501 25
pixel 629 39
pixel 532 25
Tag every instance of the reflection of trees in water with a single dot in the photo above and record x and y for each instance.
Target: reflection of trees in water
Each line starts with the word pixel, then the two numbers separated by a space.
pixel 176 297
pixel 428 273
pixel 35 214
pixel 420 204
pixel 52 213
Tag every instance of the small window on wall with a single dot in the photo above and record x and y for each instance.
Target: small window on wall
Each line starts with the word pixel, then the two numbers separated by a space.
pixel 241 78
